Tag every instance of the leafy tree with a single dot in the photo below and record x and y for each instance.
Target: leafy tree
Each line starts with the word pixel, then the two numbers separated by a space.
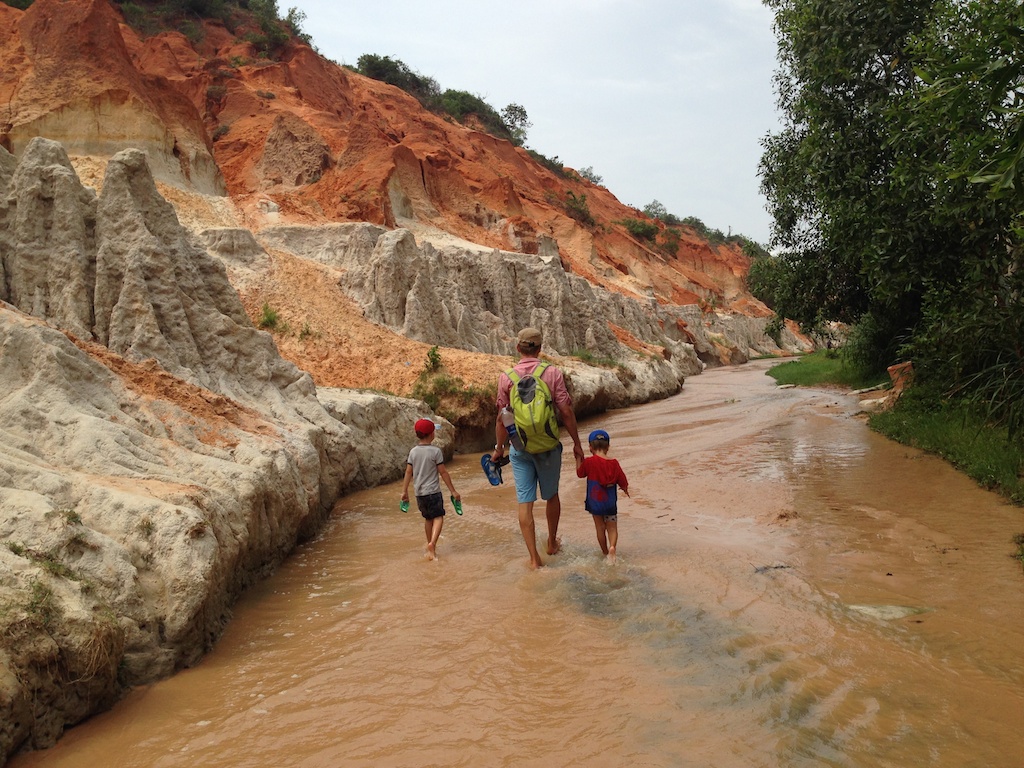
pixel 517 123
pixel 294 19
pixel 589 174
pixel 893 184
pixel 843 63
pixel 655 210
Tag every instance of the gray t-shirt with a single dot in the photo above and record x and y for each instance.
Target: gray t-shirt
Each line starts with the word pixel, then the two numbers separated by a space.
pixel 424 460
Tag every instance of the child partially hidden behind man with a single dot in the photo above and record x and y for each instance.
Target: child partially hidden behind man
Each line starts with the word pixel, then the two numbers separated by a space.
pixel 604 476
pixel 425 469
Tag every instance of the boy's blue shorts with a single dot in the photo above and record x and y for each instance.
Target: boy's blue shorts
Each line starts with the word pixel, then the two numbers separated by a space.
pixel 532 469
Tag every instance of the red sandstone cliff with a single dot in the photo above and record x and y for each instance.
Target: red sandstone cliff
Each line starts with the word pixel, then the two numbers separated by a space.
pixel 322 143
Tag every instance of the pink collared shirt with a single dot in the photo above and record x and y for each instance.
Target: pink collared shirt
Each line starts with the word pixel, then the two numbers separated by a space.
pixel 551 376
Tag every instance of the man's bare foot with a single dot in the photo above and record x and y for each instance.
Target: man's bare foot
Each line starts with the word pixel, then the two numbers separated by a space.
pixel 535 564
pixel 431 553
pixel 554 547
pixel 611 554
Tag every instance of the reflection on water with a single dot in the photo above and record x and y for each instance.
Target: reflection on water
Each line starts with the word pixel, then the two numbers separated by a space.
pixel 790 591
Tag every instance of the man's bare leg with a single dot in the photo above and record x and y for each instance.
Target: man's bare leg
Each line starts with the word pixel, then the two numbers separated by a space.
pixel 529 533
pixel 553 510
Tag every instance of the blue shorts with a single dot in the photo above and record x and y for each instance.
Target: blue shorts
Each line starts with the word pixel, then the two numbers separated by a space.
pixel 532 469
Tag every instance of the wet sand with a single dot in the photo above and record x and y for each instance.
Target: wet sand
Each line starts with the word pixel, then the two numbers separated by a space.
pixel 791 590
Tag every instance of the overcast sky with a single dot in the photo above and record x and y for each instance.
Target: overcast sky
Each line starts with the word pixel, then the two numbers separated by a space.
pixel 666 100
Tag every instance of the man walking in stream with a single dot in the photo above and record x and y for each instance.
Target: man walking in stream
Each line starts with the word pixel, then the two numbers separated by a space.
pixel 536 385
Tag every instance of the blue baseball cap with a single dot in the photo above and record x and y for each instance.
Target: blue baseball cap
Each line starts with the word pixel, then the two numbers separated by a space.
pixel 598 434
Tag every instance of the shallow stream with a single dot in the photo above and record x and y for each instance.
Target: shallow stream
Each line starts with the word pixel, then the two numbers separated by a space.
pixel 791 590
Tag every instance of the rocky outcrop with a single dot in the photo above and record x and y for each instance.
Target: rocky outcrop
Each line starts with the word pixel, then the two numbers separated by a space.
pixel 476 299
pixel 156 453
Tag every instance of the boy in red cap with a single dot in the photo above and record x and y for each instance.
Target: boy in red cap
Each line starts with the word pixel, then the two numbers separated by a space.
pixel 425 469
pixel 603 475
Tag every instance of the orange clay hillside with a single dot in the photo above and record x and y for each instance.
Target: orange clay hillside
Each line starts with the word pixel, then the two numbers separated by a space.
pixel 296 138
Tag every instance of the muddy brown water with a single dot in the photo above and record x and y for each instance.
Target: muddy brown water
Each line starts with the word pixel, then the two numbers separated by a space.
pixel 791 590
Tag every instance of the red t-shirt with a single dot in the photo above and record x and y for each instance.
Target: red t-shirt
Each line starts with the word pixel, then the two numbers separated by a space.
pixel 603 475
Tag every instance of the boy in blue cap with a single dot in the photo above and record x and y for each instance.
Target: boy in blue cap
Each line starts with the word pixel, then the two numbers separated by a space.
pixel 604 476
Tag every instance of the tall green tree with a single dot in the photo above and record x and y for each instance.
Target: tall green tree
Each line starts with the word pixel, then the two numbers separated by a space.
pixel 893 184
pixel 826 174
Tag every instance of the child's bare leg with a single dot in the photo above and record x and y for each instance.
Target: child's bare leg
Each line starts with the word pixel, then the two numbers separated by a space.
pixel 435 534
pixel 600 527
pixel 612 527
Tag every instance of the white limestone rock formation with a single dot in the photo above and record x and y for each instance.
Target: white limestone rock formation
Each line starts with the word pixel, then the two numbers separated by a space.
pixel 156 454
pixel 478 299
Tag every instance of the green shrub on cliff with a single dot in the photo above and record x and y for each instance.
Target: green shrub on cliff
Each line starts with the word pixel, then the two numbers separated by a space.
pixel 643 230
pixel 21 4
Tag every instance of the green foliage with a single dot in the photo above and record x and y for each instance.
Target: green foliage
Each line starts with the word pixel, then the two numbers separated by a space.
pixel 516 122
pixel 590 358
pixel 395 72
pixel 216 92
pixel 21 4
pixel 269 318
pixel 589 174
pixel 656 210
pixel 149 17
pixel 825 367
pixel 551 163
pixel 642 230
pixel 220 131
pixel 433 360
pixel 893 185
pixel 753 249
pixel 511 124
pixel 439 389
pixel 461 104
pixel 294 20
pixel 42 604
pixel 577 208
pixel 669 242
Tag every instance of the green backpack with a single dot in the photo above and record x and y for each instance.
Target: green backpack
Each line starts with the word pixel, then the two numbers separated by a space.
pixel 534 410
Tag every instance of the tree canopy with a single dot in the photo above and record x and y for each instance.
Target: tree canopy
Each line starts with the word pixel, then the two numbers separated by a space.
pixel 894 186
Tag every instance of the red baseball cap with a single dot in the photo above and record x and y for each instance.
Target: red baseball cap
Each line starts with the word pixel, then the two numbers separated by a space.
pixel 424 427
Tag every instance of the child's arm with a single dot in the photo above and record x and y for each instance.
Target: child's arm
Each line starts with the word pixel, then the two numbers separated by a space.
pixel 408 479
pixel 443 471
pixel 621 479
